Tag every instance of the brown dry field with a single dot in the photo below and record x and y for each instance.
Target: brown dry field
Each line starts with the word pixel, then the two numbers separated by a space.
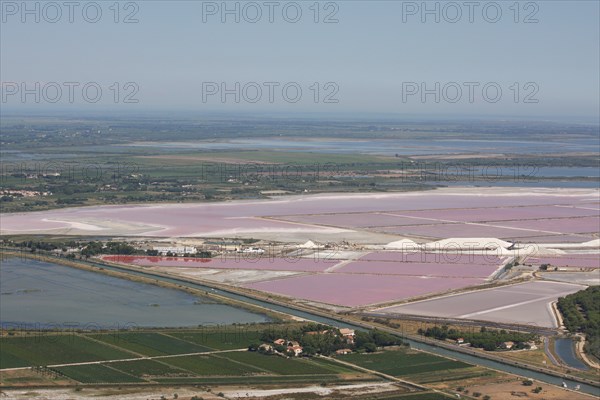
pixel 511 387
pixel 26 377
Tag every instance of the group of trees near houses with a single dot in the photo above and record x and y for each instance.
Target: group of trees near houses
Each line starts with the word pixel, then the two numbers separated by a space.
pixel 36 245
pixel 484 339
pixel 120 248
pixel 89 249
pixel 323 339
pixel 93 248
pixel 581 313
pixel 199 254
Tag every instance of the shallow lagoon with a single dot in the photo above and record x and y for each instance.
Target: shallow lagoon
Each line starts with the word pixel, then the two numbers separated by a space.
pixel 36 294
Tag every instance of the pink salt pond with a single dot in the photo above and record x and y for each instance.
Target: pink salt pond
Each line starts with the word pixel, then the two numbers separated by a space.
pixel 352 290
pixel 242 262
pixel 248 217
pixel 419 269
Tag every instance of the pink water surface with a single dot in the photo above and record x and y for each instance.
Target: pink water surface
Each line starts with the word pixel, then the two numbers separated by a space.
pixel 562 225
pixel 248 262
pixel 353 290
pixel 500 214
pixel 228 218
pixel 358 220
pixel 557 239
pixel 419 269
pixel 445 257
pixel 459 231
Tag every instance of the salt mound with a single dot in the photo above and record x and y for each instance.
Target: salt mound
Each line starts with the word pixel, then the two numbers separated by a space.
pixel 591 243
pixel 309 245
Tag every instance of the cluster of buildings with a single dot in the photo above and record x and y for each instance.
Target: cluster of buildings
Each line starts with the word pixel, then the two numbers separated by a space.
pixel 252 250
pixel 175 250
pixel 509 345
pixel 346 334
pixel 292 346
pixel 182 250
pixel 503 346
pixel 295 348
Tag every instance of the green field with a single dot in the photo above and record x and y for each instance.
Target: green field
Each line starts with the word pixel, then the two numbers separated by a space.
pixel 150 343
pixel 260 379
pixel 403 362
pixel 8 360
pixel 226 360
pixel 212 365
pixel 55 349
pixel 149 368
pixel 97 373
pixel 228 367
pixel 234 367
pixel 285 366
pixel 183 158
pixel 223 340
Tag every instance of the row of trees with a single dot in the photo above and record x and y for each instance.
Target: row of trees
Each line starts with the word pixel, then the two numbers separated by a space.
pixel 199 254
pixel 89 249
pixel 37 245
pixel 485 339
pixel 581 313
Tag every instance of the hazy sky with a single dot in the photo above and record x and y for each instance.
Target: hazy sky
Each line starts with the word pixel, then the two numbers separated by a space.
pixel 378 57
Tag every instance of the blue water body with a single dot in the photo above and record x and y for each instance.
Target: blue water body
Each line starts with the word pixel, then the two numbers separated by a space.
pixel 565 350
pixel 36 294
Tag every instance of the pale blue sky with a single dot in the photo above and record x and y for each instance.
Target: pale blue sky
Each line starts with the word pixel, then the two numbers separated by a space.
pixel 368 54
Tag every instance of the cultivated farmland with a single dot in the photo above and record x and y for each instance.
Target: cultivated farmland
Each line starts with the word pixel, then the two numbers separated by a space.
pixel 121 357
pixel 96 373
pixel 402 363
pixel 55 349
pixel 150 343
